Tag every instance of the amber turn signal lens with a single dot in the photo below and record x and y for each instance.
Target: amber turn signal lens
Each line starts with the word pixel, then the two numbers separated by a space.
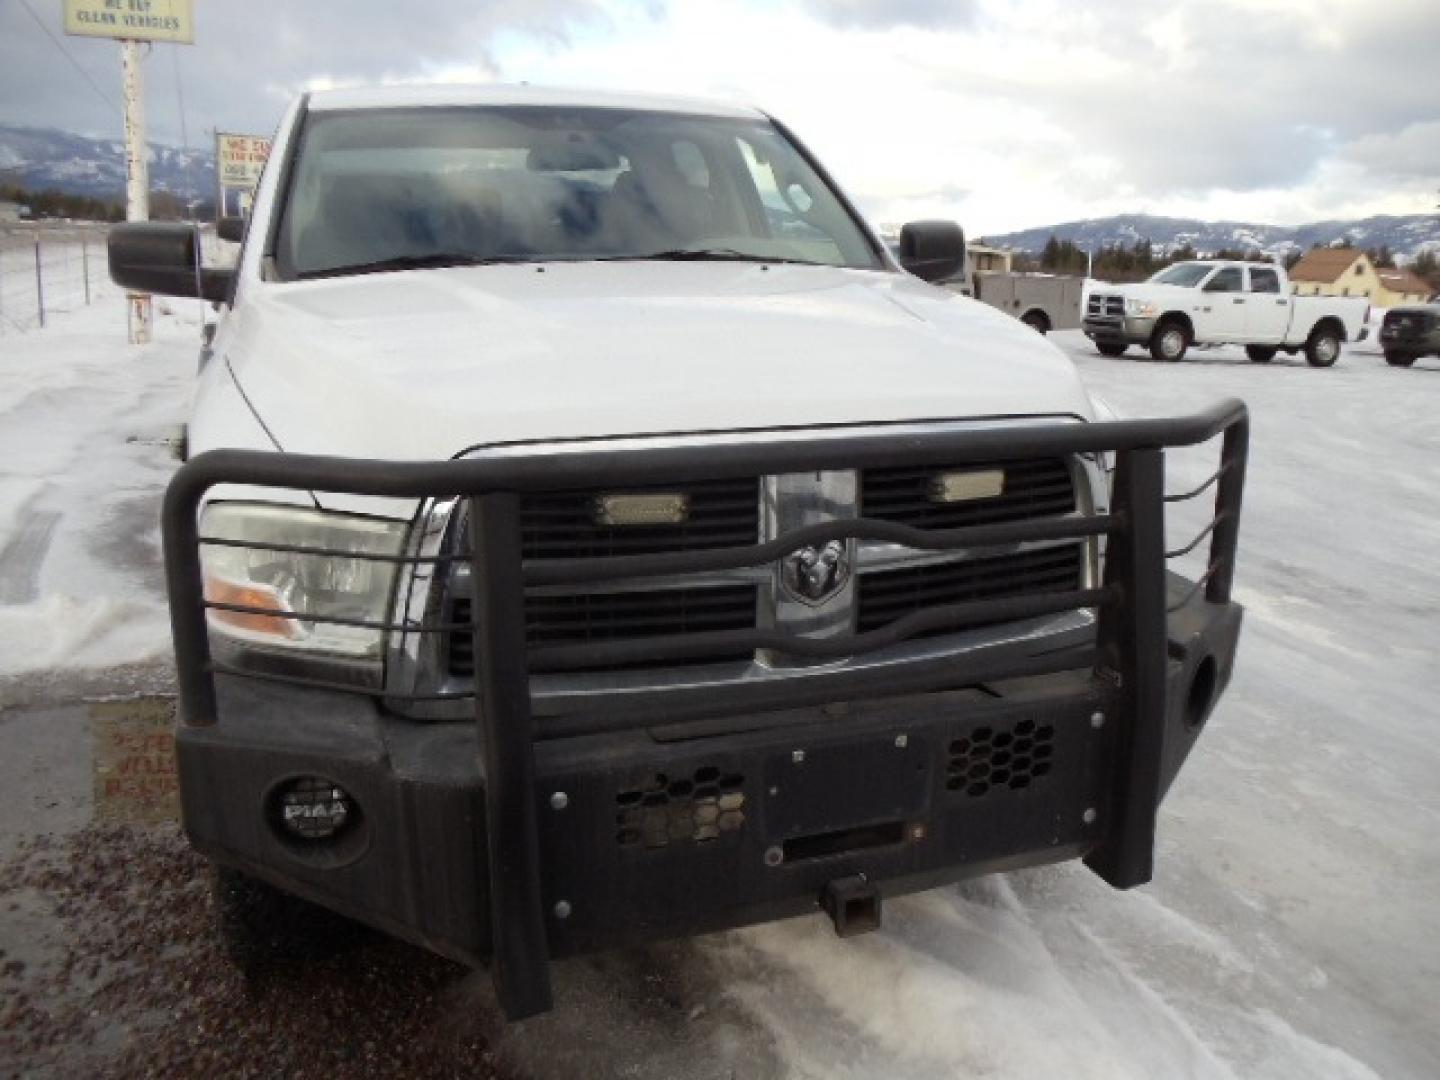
pixel 220 591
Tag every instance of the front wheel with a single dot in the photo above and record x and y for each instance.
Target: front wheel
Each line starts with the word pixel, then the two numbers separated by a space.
pixel 1260 354
pixel 1399 359
pixel 1323 348
pixel 1111 349
pixel 1170 342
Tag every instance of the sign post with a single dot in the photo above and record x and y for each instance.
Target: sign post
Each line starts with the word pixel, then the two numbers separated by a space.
pixel 137 175
pixel 132 22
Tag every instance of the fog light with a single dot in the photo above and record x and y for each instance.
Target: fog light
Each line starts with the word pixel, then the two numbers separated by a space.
pixel 313 808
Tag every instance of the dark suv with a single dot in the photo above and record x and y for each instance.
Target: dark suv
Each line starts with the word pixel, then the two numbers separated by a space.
pixel 1409 333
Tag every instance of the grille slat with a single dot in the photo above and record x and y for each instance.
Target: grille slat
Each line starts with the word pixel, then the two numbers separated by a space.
pixel 1033 488
pixel 561 525
pixel 886 595
pixel 593 617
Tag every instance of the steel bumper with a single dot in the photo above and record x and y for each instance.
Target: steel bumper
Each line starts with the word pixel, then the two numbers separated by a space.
pixel 909 792
pixel 1132 331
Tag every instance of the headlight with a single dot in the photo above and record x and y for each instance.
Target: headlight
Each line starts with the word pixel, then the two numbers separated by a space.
pixel 1142 308
pixel 303 588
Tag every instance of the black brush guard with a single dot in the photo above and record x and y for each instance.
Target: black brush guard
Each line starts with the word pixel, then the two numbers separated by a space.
pixel 1161 654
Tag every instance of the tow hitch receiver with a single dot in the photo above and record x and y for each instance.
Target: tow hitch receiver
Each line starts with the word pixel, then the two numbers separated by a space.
pixel 853 905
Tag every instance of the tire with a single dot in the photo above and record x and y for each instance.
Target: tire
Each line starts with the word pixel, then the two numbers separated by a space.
pixel 261 928
pixel 1170 341
pixel 1260 354
pixel 1323 348
pixel 1036 321
pixel 1399 359
pixel 1111 348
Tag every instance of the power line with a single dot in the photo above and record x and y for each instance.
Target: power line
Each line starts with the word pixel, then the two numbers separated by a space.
pixel 74 63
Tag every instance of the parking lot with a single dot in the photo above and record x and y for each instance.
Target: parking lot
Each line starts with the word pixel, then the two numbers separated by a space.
pixel 1291 929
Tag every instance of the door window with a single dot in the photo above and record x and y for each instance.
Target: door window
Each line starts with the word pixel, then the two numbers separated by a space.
pixel 1263 280
pixel 1226 280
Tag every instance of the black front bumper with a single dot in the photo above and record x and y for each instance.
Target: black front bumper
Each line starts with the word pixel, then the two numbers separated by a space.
pixel 908 791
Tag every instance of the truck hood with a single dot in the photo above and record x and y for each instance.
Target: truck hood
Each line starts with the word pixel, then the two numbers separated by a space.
pixel 1144 290
pixel 433 363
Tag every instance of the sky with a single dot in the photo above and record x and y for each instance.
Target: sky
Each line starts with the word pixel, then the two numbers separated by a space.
pixel 1003 114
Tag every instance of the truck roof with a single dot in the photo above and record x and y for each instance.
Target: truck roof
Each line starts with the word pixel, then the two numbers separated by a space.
pixel 398 97
pixel 1235 262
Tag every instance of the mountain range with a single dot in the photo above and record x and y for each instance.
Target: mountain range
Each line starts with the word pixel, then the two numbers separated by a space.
pixel 1404 235
pixel 40 158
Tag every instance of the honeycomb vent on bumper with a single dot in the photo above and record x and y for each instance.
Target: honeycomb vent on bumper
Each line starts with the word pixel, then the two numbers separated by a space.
pixel 667 810
pixel 990 759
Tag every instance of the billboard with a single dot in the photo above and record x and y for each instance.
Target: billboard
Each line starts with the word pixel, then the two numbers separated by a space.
pixel 239 160
pixel 132 20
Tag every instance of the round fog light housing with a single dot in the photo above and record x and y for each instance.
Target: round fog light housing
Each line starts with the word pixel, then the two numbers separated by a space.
pixel 314 808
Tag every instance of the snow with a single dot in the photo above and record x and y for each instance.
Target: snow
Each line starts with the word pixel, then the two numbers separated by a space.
pixel 1291 930
pixel 84 424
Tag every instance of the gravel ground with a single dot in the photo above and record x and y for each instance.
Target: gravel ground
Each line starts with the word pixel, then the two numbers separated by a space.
pixel 110 964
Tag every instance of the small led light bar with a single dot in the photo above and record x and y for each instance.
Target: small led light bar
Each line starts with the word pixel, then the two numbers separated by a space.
pixel 657 508
pixel 954 487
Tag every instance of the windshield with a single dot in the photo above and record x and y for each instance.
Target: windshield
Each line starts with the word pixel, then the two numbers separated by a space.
pixel 1188 274
pixel 404 188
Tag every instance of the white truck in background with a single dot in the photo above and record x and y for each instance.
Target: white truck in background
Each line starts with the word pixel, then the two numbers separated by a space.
pixel 1222 303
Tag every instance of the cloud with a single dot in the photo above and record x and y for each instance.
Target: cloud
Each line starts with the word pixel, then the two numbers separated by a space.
pixel 1410 154
pixel 884 14
pixel 250 59
pixel 1003 113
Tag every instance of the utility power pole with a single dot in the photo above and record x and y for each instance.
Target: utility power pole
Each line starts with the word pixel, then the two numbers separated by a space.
pixel 137 175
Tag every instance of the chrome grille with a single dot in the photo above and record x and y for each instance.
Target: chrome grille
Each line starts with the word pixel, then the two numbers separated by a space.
pixel 886 595
pixel 1032 489
pixel 1101 306
pixel 733 512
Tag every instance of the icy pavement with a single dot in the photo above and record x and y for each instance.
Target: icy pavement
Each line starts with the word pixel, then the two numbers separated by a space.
pixel 1292 929
pixel 84 424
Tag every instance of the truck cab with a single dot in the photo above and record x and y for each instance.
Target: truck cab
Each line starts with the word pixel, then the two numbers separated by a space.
pixel 1222 303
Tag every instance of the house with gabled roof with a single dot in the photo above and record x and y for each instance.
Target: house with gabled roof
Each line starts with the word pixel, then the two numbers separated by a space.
pixel 1344 271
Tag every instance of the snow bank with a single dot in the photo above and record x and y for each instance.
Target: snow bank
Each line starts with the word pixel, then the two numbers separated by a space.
pixel 85 424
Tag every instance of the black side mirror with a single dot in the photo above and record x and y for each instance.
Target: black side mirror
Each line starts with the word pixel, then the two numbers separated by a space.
pixel 232 229
pixel 933 250
pixel 164 258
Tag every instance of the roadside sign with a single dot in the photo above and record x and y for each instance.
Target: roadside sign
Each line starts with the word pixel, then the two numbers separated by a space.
pixel 239 159
pixel 132 20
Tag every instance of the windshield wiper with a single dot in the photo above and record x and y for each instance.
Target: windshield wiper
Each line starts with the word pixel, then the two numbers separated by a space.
pixel 426 261
pixel 703 255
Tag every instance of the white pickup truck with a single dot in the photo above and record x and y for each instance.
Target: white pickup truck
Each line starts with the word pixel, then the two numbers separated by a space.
pixel 1222 303
pixel 592 534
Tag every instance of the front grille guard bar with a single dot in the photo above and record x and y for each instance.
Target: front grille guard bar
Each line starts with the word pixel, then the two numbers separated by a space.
pixel 1130 648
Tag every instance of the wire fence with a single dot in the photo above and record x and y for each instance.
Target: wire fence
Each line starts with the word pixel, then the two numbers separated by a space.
pixel 48 270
